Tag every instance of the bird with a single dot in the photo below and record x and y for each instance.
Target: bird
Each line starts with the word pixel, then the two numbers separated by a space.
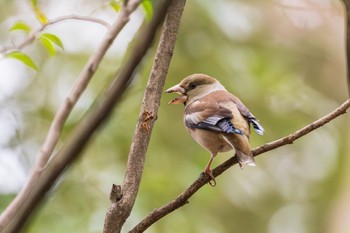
pixel 216 119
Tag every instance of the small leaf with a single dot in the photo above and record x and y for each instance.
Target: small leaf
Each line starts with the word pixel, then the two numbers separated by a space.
pixel 24 58
pixel 53 39
pixel 40 15
pixel 20 26
pixel 48 45
pixel 148 8
pixel 115 5
pixel 34 2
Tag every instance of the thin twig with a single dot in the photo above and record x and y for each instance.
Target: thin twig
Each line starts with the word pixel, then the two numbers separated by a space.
pixel 120 209
pixel 65 109
pixel 82 18
pixel 182 199
pixel 33 35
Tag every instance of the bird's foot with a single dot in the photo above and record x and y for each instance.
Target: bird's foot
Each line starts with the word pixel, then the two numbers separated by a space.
pixel 212 182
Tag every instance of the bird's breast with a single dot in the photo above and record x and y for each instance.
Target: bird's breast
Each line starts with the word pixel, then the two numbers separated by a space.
pixel 210 140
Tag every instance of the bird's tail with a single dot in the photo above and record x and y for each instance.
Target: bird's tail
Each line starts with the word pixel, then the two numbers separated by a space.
pixel 245 159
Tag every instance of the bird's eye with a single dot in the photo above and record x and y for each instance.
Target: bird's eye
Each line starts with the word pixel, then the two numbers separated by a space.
pixel 193 85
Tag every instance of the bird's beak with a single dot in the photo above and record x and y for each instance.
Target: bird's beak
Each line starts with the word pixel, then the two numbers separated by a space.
pixel 179 90
pixel 179 100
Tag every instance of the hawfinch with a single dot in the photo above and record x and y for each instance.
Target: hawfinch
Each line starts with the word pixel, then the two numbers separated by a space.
pixel 216 119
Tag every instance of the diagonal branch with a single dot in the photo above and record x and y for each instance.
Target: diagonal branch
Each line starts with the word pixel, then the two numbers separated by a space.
pixel 182 199
pixel 121 207
pixel 65 109
pixel 81 84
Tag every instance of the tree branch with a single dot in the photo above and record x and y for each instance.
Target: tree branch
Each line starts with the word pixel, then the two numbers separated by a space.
pixel 33 35
pixel 347 40
pixel 120 209
pixel 81 18
pixel 182 199
pixel 84 130
pixel 81 84
pixel 65 109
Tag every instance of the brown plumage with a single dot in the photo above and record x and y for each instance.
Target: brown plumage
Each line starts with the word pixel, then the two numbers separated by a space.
pixel 216 119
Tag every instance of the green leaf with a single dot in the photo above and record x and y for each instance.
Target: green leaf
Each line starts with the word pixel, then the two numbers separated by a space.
pixel 40 15
pixel 48 45
pixel 148 8
pixel 19 25
pixel 34 2
pixel 53 39
pixel 115 5
pixel 24 58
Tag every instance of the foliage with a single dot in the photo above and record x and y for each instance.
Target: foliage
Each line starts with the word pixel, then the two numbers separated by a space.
pixel 49 40
pixel 23 58
pixel 22 26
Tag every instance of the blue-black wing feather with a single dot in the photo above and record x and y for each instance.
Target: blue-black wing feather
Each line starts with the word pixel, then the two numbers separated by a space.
pixel 219 124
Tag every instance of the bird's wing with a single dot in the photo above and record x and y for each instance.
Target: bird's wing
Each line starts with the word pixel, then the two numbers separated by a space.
pixel 207 113
pixel 248 115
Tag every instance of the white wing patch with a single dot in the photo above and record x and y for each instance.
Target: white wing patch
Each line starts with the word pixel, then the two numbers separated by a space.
pixel 196 118
pixel 193 118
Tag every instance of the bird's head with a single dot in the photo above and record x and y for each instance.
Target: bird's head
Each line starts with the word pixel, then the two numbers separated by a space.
pixel 194 87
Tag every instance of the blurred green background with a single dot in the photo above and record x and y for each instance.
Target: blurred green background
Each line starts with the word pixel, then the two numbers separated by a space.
pixel 284 59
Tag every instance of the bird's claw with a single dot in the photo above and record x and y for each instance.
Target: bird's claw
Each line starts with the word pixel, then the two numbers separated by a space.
pixel 211 182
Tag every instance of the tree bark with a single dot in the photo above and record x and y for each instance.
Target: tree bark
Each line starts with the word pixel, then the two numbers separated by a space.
pixel 121 206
